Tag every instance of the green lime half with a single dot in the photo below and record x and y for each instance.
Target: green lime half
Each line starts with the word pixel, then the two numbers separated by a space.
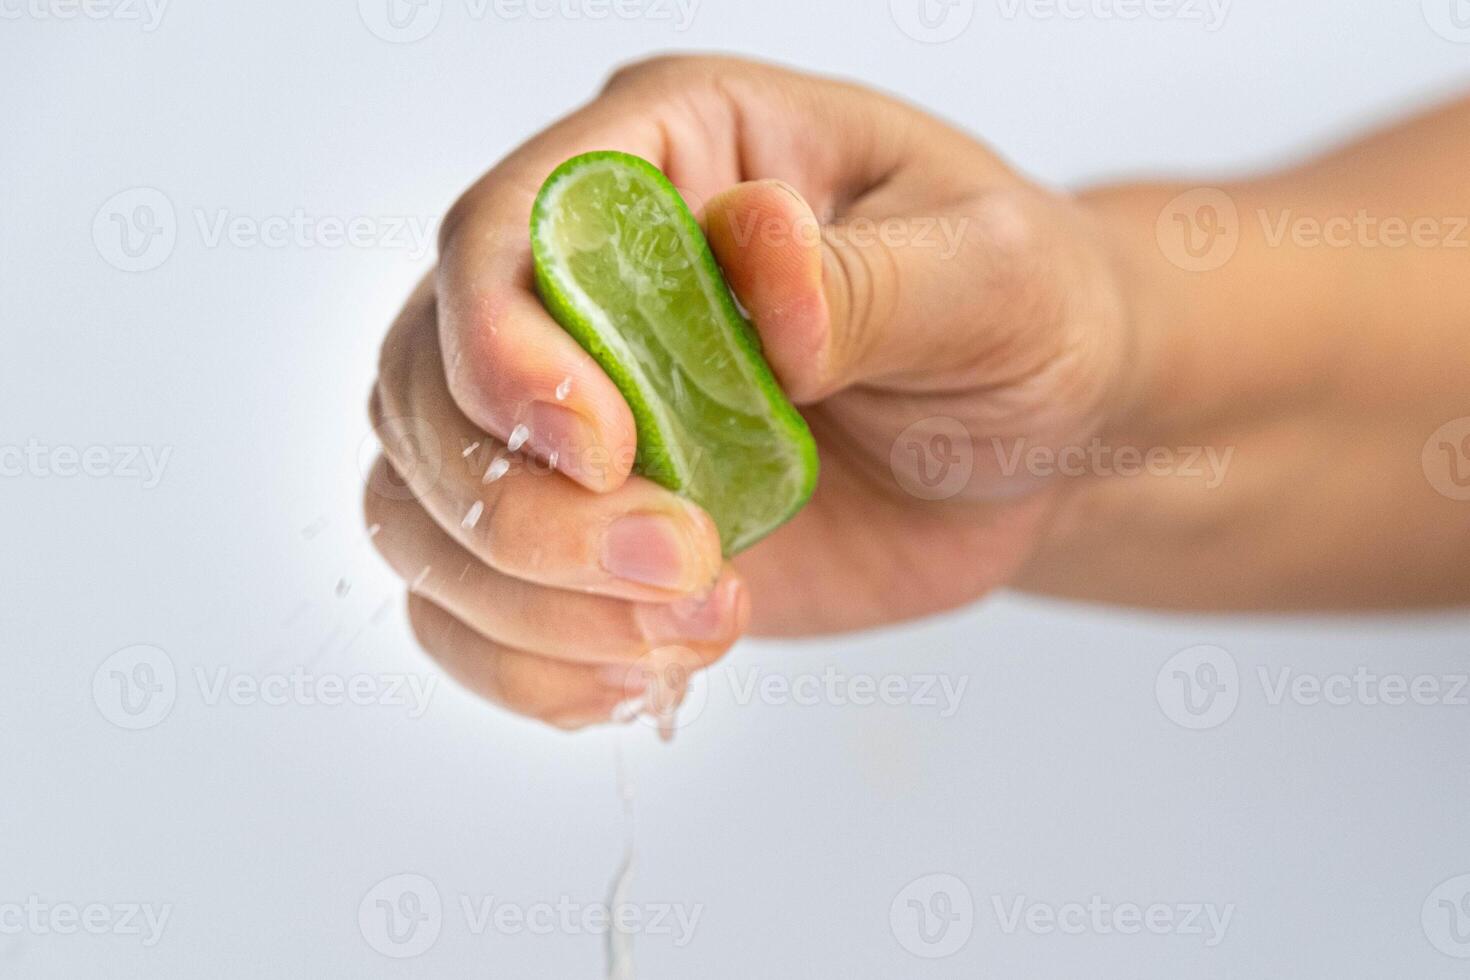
pixel 624 268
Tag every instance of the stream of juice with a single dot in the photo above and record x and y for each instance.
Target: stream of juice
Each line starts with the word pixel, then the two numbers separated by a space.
pixel 620 943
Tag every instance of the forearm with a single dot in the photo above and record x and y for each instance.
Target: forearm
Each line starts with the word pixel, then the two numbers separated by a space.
pixel 1313 351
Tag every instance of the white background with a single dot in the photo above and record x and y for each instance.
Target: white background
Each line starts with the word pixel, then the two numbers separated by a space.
pixel 791 827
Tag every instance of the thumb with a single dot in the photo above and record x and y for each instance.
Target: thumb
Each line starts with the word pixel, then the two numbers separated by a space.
pixel 862 299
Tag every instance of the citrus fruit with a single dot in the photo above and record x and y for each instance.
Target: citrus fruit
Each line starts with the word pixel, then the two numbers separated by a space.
pixel 622 265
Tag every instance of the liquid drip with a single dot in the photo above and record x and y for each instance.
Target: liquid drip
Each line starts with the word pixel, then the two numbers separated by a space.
pixel 620 943
pixel 496 470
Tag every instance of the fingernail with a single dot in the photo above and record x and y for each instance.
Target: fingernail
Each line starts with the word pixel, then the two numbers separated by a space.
pixel 651 549
pixel 566 440
pixel 700 618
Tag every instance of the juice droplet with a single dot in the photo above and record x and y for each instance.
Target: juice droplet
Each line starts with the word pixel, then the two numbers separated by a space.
pixel 496 470
pixel 563 389
pixel 518 437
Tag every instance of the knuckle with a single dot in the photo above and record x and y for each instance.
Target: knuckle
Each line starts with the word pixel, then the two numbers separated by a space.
pixel 657 68
pixel 424 623
pixel 403 347
pixel 458 215
pixel 392 377
pixel 865 280
pixel 405 353
pixel 374 503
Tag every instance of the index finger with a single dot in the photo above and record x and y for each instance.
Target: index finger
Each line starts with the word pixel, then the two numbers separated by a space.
pixel 509 364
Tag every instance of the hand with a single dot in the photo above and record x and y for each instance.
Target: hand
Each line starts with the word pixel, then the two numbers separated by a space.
pixel 942 291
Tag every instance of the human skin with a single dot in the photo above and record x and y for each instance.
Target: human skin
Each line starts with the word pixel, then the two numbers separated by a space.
pixel 1030 318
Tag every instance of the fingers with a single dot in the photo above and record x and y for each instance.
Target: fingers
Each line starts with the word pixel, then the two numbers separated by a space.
pixel 638 542
pixel 874 298
pixel 568 695
pixel 515 373
pixel 508 358
pixel 535 619
pixel 691 117
pixel 768 243
pixel 521 562
pixel 525 383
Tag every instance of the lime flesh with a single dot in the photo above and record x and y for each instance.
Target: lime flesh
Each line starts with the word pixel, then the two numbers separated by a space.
pixel 624 268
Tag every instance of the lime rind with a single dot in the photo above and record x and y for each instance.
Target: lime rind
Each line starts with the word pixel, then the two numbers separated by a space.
pixel 712 421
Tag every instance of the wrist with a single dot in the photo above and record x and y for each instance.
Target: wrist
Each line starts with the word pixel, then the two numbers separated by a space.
pixel 1222 343
pixel 1234 326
